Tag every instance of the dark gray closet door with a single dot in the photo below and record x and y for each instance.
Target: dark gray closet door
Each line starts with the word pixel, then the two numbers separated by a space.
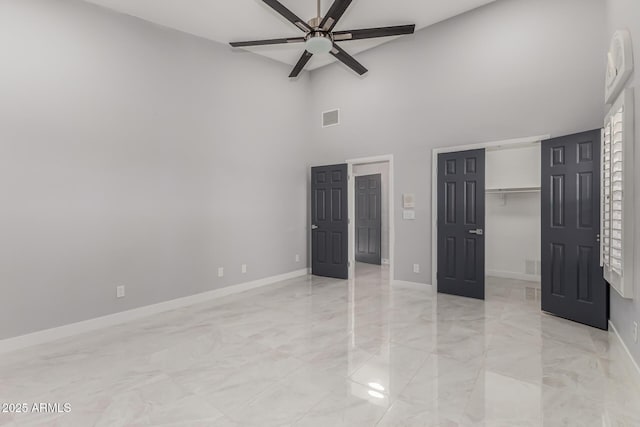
pixel 368 219
pixel 573 286
pixel 461 200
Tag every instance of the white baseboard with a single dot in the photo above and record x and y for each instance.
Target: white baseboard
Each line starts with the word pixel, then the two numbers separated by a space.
pixel 513 275
pixel 65 331
pixel 626 349
pixel 385 261
pixel 413 285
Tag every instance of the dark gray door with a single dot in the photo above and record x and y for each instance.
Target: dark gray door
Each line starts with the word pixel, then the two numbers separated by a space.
pixel 368 219
pixel 461 223
pixel 329 221
pixel 573 286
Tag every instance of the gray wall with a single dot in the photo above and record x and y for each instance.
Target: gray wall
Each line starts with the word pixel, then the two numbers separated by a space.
pixel 381 168
pixel 511 69
pixel 626 14
pixel 139 156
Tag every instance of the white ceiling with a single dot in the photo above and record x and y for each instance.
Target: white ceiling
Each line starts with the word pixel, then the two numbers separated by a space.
pixel 240 20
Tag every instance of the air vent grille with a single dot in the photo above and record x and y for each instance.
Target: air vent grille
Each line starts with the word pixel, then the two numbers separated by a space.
pixel 331 118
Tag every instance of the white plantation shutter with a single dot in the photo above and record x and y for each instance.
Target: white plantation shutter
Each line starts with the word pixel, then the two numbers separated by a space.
pixel 605 239
pixel 606 193
pixel 617 245
pixel 617 180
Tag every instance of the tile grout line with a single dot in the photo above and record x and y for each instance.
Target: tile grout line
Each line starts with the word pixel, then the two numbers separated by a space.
pixel 398 398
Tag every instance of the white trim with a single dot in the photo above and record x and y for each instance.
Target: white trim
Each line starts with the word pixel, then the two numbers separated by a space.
pixel 511 143
pixel 388 158
pixel 351 230
pixel 513 275
pixel 371 159
pixel 72 329
pixel 385 261
pixel 626 349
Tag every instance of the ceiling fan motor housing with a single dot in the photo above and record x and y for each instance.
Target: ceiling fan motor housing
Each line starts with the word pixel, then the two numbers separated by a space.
pixel 315 22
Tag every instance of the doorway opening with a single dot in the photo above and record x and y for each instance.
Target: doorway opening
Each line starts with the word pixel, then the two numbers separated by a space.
pixel 496 233
pixel 513 222
pixel 570 277
pixel 371 225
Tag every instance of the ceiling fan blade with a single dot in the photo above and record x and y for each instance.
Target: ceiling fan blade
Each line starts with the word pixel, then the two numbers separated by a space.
pixel 288 15
pixel 334 14
pixel 306 56
pixel 267 42
pixel 371 33
pixel 348 60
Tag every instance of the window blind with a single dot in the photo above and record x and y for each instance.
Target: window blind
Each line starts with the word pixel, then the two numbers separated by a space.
pixel 617 244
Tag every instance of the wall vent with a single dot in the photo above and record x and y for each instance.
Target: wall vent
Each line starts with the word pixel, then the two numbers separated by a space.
pixel 331 118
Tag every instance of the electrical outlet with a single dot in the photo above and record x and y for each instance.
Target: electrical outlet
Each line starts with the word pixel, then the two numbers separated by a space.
pixel 119 291
pixel 220 271
pixel 635 332
pixel 297 258
pixel 416 268
pixel 244 268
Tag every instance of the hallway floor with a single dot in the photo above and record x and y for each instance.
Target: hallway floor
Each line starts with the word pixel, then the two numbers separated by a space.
pixel 323 352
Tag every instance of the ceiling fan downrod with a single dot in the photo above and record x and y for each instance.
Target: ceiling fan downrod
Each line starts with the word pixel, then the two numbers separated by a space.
pixel 315 22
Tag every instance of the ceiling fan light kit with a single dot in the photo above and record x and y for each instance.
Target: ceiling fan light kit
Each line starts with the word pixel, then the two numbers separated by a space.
pixel 318 43
pixel 320 38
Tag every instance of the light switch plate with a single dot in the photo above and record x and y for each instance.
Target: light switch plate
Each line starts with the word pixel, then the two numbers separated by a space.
pixel 220 271
pixel 409 214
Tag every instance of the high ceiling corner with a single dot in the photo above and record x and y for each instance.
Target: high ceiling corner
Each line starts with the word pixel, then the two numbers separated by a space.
pixel 236 20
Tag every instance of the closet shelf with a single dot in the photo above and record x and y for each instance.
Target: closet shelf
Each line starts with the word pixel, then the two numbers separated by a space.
pixel 513 190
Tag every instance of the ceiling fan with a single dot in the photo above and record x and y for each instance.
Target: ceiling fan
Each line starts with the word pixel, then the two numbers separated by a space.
pixel 320 38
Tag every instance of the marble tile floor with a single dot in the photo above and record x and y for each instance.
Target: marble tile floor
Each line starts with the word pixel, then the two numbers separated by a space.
pixel 321 352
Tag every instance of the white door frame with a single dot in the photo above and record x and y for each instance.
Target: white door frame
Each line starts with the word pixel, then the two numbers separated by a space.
pixel 387 158
pixel 511 143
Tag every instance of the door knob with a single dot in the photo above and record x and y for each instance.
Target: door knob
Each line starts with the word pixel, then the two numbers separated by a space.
pixel 314 227
pixel 478 231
